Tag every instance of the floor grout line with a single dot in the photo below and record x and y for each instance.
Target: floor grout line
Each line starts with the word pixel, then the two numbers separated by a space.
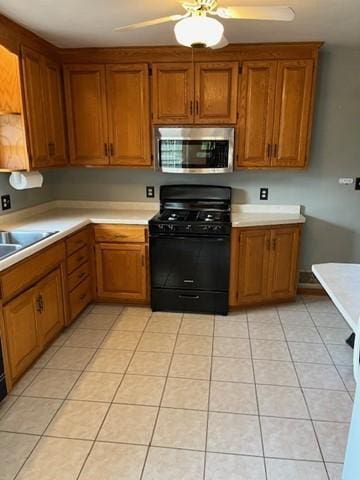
pixel 160 402
pixel 257 406
pixel 209 400
pixel 108 409
pixel 309 412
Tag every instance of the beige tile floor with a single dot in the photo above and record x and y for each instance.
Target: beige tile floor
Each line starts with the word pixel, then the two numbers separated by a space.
pixel 124 394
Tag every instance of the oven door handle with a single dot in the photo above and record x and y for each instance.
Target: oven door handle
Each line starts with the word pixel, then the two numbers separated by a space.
pixel 176 237
pixel 188 297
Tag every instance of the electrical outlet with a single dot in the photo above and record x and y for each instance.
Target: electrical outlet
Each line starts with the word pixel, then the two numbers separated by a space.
pixel 357 183
pixel 150 192
pixel 264 193
pixel 5 202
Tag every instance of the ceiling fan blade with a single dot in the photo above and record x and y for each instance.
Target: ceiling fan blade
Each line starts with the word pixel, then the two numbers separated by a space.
pixel 149 23
pixel 223 43
pixel 284 14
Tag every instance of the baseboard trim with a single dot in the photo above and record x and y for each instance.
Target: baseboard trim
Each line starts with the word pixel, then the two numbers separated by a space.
pixel 311 290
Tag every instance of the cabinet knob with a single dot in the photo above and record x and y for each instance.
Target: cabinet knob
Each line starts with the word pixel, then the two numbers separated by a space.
pixel 197 107
pixel 191 107
pixel 105 149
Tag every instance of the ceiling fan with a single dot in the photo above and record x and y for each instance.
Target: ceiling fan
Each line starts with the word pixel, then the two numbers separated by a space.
pixel 197 29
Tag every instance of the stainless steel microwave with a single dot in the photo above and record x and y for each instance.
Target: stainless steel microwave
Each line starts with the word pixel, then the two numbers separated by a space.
pixel 194 149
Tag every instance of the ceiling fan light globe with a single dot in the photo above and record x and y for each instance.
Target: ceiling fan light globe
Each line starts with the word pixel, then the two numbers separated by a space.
pixel 196 30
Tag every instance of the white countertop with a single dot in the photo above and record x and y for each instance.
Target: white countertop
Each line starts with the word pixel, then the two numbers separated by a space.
pixel 342 282
pixel 66 217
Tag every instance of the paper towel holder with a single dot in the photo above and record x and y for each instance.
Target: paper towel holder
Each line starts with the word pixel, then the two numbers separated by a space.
pixel 26 180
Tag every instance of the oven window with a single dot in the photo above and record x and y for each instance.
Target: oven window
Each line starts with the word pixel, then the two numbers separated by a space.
pixel 193 153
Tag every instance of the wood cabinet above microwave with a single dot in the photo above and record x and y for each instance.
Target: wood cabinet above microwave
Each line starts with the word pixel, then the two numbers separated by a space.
pixel 200 93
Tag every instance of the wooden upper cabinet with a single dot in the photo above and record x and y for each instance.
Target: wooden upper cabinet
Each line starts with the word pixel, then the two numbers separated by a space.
pixel 173 93
pixel 283 262
pixel 254 247
pixel 216 86
pixel 51 315
pixel 85 96
pixel 128 114
pixel 44 111
pixel 55 112
pixel 10 98
pixel 256 113
pixel 275 109
pixel 32 64
pixel 292 113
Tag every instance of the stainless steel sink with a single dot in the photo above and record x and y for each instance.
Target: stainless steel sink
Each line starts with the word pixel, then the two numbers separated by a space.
pixel 13 241
pixel 6 250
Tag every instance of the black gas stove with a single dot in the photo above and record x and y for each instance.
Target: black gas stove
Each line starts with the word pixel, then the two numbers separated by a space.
pixel 190 249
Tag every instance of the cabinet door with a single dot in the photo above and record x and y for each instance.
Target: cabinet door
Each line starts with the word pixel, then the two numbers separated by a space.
pixel 173 93
pixel 36 124
pixel 85 97
pixel 253 265
pixel 51 315
pixel 256 114
pixel 55 113
pixel 283 262
pixel 292 113
pixel 121 271
pixel 10 99
pixel 22 340
pixel 216 86
pixel 128 114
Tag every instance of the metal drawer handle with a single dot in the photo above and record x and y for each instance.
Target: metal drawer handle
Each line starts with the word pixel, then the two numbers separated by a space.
pixel 83 296
pixel 188 281
pixel 81 274
pixel 187 297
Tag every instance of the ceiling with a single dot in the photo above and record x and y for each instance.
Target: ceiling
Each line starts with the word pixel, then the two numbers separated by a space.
pixel 90 23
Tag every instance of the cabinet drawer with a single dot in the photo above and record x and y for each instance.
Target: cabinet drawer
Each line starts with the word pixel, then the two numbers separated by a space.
pixel 120 233
pixel 30 270
pixel 77 259
pixel 78 275
pixel 80 297
pixel 77 241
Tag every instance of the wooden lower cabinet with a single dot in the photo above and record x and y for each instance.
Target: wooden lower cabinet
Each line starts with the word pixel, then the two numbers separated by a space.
pixel 21 333
pixel 283 262
pixel 121 271
pixel 31 321
pixel 263 264
pixel 50 300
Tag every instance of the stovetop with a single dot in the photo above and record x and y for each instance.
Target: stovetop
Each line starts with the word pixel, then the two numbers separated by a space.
pixel 191 222
pixel 193 216
pixel 193 209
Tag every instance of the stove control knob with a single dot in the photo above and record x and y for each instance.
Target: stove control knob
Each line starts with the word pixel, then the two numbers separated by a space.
pixel 161 226
pixel 217 228
pixel 171 228
pixel 205 228
pixel 188 227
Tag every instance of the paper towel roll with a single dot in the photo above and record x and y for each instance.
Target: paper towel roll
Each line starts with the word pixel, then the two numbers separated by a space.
pixel 25 180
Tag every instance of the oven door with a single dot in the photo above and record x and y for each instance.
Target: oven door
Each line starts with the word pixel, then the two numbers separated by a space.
pixel 194 150
pixel 190 263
